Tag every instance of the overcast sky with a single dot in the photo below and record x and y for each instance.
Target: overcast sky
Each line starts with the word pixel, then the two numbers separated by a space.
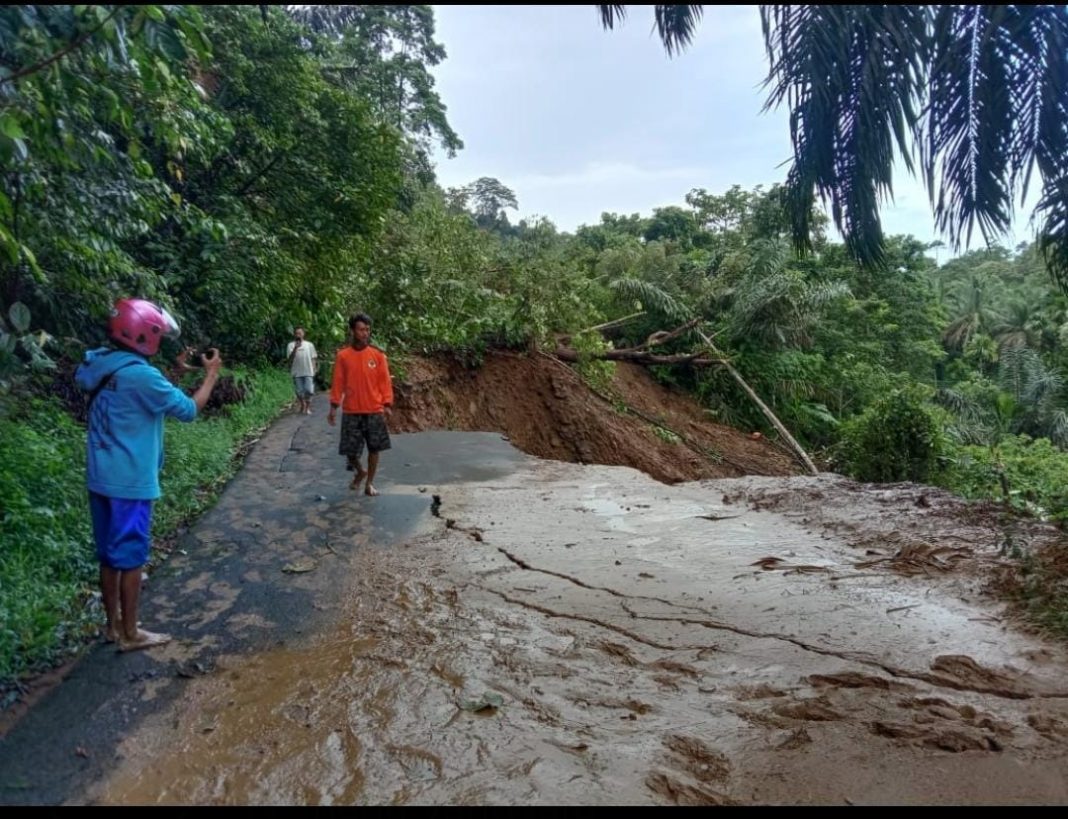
pixel 578 120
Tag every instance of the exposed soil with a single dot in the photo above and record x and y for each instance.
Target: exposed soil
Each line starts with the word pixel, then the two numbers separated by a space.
pixel 546 410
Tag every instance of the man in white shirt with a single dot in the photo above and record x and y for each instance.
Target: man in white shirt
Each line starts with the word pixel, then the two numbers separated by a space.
pixel 303 365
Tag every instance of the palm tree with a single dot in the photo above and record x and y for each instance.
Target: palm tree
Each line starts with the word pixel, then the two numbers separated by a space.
pixel 775 305
pixel 1020 327
pixel 980 93
pixel 644 277
pixel 974 315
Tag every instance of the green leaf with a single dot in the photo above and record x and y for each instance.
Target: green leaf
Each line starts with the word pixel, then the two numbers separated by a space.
pixel 10 127
pixel 9 245
pixel 20 317
pixel 31 259
pixel 171 44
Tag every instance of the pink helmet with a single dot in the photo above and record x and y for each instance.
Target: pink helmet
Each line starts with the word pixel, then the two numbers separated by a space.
pixel 141 325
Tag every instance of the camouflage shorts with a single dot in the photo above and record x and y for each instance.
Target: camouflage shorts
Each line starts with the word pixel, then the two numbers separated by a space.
pixel 357 430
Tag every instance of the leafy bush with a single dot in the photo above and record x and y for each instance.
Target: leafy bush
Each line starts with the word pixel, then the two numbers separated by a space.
pixel 898 438
pixel 1035 473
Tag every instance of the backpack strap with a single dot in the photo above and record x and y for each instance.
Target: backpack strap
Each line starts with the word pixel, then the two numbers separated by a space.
pixel 106 381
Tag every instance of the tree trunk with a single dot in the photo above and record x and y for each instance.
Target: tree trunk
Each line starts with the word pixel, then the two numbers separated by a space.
pixel 637 356
pixel 775 422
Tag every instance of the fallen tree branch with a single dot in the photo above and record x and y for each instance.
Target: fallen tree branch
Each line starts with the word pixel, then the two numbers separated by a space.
pixel 656 339
pixel 608 325
pixel 775 422
pixel 636 356
pixel 639 355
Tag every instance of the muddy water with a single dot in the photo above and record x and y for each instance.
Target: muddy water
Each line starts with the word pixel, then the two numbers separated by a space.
pixel 585 635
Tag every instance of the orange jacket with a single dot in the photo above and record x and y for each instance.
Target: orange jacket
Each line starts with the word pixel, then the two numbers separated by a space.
pixel 362 383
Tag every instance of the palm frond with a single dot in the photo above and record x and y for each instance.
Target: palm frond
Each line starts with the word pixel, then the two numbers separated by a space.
pixel 819 414
pixel 1041 62
pixel 1058 428
pixel 1016 328
pixel 991 82
pixel 969 122
pixel 971 433
pixel 1016 368
pixel 767 257
pixel 958 404
pixel 651 297
pixel 851 76
pixel 326 19
pixel 997 109
pixel 960 331
pixel 675 24
pixel 780 307
pixel 1042 384
pixel 823 294
pixel 1052 215
pixel 981 90
pixel 611 14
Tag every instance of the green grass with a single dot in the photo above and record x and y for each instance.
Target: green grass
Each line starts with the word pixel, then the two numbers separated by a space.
pixel 48 568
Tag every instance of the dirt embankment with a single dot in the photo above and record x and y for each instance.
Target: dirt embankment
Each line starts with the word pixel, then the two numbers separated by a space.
pixel 546 410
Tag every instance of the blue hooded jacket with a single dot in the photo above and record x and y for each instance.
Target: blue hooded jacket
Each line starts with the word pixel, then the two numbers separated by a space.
pixel 125 437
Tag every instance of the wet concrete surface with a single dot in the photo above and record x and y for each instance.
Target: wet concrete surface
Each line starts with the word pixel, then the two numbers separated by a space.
pixel 560 634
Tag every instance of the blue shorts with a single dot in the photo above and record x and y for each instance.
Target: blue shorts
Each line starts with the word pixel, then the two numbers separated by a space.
pixel 121 528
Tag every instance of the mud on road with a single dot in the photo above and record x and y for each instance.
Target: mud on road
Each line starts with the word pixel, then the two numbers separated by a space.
pixel 586 635
pixel 498 629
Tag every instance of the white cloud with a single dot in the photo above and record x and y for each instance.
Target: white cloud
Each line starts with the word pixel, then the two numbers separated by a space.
pixel 605 173
pixel 579 121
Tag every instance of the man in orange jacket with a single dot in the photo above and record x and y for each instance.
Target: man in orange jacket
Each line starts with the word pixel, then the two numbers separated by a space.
pixel 363 389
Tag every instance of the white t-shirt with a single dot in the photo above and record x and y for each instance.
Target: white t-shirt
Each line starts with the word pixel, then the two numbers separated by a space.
pixel 304 361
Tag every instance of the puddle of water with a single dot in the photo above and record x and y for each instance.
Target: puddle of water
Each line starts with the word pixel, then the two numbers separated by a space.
pixel 270 730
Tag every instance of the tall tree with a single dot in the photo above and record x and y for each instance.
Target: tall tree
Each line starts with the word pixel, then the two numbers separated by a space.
pixel 385 53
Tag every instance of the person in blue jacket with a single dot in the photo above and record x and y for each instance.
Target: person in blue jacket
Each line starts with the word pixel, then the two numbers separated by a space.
pixel 129 398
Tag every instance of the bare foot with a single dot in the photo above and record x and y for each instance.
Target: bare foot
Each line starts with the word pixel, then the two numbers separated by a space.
pixel 357 479
pixel 370 490
pixel 111 635
pixel 144 639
